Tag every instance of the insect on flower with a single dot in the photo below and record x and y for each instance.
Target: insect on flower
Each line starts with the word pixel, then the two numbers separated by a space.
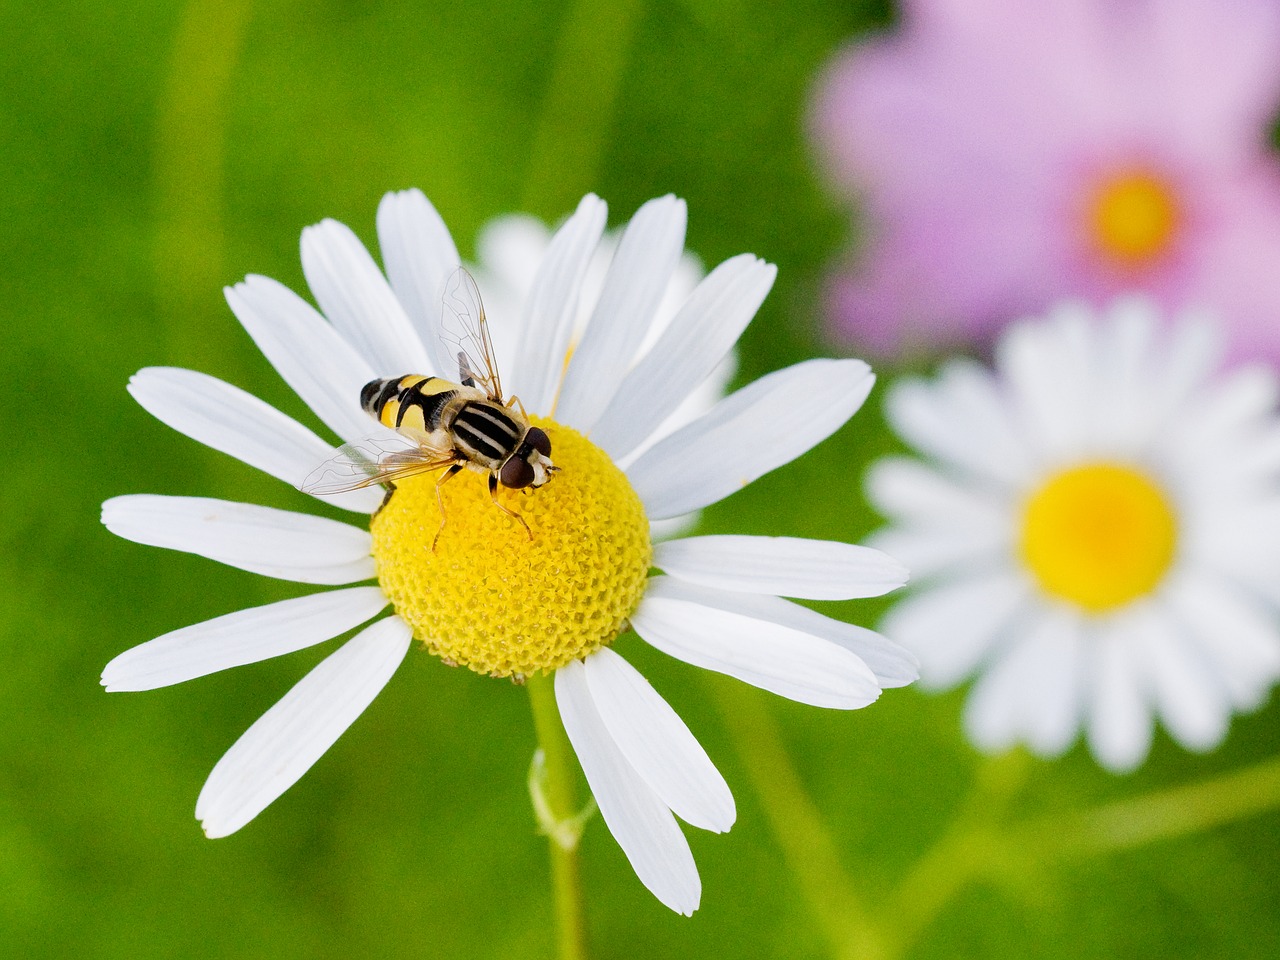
pixel 449 425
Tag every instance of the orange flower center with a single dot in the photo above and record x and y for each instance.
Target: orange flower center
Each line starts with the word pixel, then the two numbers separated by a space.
pixel 1133 218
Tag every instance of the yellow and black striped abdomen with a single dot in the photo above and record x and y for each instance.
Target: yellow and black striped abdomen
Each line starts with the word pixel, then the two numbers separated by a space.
pixel 412 403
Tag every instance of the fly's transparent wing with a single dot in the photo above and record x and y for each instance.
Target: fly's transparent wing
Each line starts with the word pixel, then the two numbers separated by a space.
pixel 465 331
pixel 371 461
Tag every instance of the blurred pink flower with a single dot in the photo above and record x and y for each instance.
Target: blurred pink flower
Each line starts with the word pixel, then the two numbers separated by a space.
pixel 1008 154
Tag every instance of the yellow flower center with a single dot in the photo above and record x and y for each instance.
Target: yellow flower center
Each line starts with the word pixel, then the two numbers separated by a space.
pixel 1099 535
pixel 496 601
pixel 1133 217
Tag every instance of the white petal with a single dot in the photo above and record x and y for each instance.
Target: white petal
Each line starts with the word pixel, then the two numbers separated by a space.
pixel 1048 369
pixel 657 743
pixel 785 566
pixel 641 823
pixel 704 397
pixel 1193 352
pixel 1237 634
pixel 358 301
pixel 1239 402
pixel 237 423
pixel 246 636
pixel 1185 694
pixel 321 367
pixel 642 267
pixel 684 621
pixel 1119 728
pixel 700 336
pixel 952 626
pixel 274 543
pixel 1034 691
pixel 420 256
pixel 961 418
pixel 552 307
pixel 891 664
pixel 286 740
pixel 913 492
pixel 928 551
pixel 762 426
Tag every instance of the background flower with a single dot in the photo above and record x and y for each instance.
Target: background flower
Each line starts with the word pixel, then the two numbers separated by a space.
pixel 1011 154
pixel 1098 536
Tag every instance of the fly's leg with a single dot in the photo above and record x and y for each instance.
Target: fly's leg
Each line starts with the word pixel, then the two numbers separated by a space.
pixel 493 495
pixel 386 497
pixel 447 475
pixel 515 401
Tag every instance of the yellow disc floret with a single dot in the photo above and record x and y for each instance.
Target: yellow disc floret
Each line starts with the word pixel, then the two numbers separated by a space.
pixel 497 601
pixel 1099 535
pixel 1133 218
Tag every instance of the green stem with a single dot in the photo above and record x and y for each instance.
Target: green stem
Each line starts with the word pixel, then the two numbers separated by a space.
pixel 961 853
pixel 578 108
pixel 190 149
pixel 977 847
pixel 797 825
pixel 553 786
pixel 1161 815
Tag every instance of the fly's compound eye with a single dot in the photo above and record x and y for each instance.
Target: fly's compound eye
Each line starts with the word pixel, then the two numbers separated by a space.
pixel 516 473
pixel 538 439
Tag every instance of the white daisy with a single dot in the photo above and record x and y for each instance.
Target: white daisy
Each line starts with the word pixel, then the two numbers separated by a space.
pixel 490 597
pixel 1098 537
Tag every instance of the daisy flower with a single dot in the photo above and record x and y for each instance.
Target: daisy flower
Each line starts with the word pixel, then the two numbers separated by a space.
pixel 1010 154
pixel 490 596
pixel 1097 536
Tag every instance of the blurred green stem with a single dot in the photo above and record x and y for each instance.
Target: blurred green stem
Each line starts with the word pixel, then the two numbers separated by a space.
pixel 1160 815
pixel 977 847
pixel 960 854
pixel 190 151
pixel 554 792
pixel 797 825
pixel 578 108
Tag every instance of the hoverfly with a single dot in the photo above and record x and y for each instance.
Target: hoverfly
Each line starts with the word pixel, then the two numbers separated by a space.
pixel 450 426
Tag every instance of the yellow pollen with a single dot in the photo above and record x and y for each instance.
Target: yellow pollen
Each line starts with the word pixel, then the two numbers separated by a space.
pixel 1133 218
pixel 1099 535
pixel 490 598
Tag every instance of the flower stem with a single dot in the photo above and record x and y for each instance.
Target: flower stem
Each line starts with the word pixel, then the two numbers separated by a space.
pixel 797 825
pixel 1160 815
pixel 591 55
pixel 190 153
pixel 554 791
pixel 962 852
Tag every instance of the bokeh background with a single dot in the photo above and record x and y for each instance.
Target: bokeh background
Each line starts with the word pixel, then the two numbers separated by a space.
pixel 153 153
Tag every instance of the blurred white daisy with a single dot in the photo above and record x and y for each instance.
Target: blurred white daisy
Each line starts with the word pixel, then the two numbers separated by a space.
pixel 489 597
pixel 1097 539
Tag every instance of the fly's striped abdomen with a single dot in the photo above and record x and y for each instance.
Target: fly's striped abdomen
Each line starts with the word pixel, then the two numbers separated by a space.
pixel 485 431
pixel 412 403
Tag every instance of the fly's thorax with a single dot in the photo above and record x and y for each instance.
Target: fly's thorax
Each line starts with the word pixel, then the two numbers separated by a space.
pixel 507 601
pixel 484 432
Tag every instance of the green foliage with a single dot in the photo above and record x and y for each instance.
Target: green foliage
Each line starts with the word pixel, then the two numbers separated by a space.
pixel 154 154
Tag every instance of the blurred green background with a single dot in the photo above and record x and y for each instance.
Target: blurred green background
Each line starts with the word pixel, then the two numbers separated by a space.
pixel 152 153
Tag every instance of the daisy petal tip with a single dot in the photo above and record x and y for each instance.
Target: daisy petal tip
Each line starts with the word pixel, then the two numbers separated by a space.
pixel 214 830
